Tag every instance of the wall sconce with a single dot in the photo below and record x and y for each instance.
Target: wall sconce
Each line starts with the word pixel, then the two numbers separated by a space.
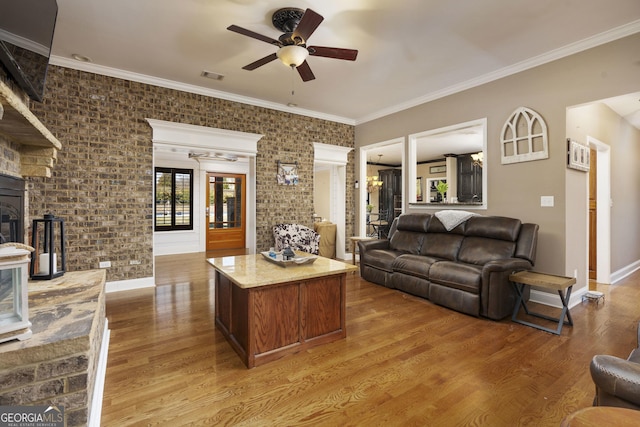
pixel 48 241
pixel 14 298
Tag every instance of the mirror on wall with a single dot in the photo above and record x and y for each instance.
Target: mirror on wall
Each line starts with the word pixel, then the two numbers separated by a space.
pixel 453 155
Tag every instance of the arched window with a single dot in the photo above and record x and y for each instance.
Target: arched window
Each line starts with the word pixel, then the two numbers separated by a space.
pixel 524 137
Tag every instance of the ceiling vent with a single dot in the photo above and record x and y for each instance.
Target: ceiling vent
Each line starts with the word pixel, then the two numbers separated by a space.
pixel 211 75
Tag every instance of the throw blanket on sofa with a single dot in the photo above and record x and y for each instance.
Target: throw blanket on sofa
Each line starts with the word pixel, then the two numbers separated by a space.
pixel 453 218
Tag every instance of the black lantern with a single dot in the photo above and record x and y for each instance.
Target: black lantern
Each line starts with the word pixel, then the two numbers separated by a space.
pixel 48 259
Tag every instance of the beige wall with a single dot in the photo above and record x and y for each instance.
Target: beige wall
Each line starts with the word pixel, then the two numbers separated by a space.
pixel 600 122
pixel 515 189
pixel 322 193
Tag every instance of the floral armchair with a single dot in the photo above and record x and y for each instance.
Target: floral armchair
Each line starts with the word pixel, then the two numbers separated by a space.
pixel 297 236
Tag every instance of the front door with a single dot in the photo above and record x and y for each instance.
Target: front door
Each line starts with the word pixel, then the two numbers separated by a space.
pixel 226 211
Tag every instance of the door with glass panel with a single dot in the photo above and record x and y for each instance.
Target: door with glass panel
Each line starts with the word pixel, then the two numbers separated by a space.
pixel 226 207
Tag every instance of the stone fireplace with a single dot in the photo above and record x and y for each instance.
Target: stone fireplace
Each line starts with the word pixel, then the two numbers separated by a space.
pixel 63 363
pixel 11 209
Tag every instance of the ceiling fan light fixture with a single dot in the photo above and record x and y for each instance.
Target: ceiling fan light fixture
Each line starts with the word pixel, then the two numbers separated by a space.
pixel 292 55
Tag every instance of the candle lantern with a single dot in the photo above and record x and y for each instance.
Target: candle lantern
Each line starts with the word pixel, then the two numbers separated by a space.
pixel 48 241
pixel 14 302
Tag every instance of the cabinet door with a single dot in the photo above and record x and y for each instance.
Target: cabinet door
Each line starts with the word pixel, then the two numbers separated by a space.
pixel 469 180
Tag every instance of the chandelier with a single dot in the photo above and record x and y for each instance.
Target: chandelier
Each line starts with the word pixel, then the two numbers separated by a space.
pixel 478 158
pixel 373 181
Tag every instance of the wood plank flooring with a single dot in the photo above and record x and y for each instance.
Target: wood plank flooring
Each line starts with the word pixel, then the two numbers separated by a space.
pixel 405 361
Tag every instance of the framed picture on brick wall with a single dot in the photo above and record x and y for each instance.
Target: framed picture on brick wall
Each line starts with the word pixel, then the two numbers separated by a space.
pixel 287 173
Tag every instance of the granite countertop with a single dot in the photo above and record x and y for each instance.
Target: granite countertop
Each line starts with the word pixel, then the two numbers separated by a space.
pixel 250 271
pixel 62 312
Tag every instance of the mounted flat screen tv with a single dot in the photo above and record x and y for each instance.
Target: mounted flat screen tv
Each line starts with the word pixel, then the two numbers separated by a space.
pixel 26 35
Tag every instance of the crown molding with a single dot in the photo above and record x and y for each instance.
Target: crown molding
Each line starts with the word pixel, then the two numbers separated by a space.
pixel 570 49
pixel 171 84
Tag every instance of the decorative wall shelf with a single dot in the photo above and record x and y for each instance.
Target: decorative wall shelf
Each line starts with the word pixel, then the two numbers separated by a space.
pixel 39 148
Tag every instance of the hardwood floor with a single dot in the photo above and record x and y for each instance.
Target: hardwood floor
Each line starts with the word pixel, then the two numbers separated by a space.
pixel 405 361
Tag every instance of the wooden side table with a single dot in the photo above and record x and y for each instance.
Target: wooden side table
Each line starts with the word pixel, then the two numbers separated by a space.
pixel 354 242
pixel 548 282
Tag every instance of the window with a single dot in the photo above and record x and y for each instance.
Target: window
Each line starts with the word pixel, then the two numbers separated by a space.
pixel 174 199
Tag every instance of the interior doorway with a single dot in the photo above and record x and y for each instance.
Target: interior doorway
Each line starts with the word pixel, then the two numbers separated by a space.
pixel 334 158
pixel 226 211
pixel 602 210
pixel 393 151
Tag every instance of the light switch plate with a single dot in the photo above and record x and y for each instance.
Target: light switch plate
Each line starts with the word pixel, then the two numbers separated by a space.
pixel 546 201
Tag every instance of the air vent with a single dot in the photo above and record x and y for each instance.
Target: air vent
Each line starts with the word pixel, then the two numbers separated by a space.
pixel 211 75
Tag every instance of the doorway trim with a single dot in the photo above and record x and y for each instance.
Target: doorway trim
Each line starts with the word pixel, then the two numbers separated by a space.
pixel 362 178
pixel 172 144
pixel 335 157
pixel 603 210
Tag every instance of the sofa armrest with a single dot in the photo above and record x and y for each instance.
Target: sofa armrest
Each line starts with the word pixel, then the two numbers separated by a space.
pixel 365 245
pixel 497 295
pixel 615 378
pixel 509 265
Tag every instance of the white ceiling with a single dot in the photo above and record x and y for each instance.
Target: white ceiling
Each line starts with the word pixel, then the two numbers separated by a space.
pixel 410 51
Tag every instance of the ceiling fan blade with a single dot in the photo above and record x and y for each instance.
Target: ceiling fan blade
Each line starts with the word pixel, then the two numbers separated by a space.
pixel 305 72
pixel 307 25
pixel 260 62
pixel 333 52
pixel 253 35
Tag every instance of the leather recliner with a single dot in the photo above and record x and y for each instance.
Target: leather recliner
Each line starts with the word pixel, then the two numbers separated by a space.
pixel 617 380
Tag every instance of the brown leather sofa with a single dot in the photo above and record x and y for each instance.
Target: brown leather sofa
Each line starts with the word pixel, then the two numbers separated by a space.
pixel 617 380
pixel 466 269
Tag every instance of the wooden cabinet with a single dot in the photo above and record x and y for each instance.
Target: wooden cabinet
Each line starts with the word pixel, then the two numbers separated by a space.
pixel 390 196
pixel 267 322
pixel 469 180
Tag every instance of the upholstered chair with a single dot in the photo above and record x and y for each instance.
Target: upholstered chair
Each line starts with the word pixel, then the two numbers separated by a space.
pixel 296 236
pixel 617 380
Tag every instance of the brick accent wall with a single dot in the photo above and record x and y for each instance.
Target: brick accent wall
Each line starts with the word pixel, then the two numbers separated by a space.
pixel 103 179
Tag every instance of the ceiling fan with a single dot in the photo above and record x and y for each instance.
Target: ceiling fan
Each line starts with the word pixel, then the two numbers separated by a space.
pixel 297 26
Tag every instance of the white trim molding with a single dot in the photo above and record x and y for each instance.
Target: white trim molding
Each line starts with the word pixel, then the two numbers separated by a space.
pixel 128 285
pixel 173 143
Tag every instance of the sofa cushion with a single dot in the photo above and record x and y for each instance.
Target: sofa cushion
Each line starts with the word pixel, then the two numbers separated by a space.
pixel 457 275
pixel 442 245
pixel 410 233
pixel 414 222
pixel 380 258
pixel 436 226
pixel 413 265
pixel 480 250
pixel 494 227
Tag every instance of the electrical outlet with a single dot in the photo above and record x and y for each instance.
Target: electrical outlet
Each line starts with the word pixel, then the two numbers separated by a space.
pixel 134 262
pixel 546 201
pixel 105 264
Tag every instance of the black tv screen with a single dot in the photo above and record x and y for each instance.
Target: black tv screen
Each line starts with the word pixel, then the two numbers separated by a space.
pixel 26 34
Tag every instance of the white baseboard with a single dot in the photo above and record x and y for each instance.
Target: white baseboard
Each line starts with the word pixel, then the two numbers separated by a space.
pixel 127 285
pixel 624 272
pixel 101 373
pixel 553 299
